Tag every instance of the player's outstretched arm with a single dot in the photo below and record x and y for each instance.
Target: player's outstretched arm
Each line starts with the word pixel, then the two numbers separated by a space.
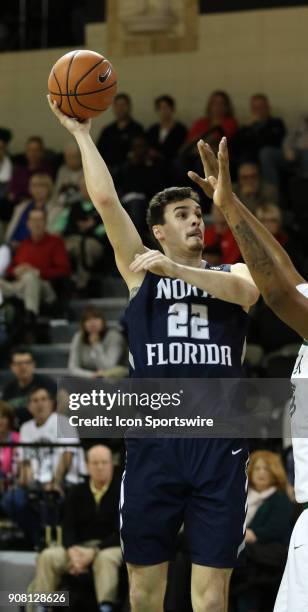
pixel 269 264
pixel 120 229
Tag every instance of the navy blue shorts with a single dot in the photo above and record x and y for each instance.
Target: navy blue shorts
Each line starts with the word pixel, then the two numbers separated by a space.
pixel 201 483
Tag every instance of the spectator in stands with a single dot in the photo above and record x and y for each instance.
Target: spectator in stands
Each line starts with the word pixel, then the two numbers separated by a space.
pixel 40 189
pixel 42 469
pixel 70 172
pixel 35 161
pixel 271 216
pixel 84 238
pixel 66 192
pixel 116 138
pixel 218 117
pixel 8 454
pixel 90 533
pixel 269 522
pixel 168 135
pixel 261 140
pixel 295 148
pixel 218 238
pixel 96 351
pixel 251 188
pixel 6 166
pixel 23 381
pixel 139 179
pixel 5 259
pixel 38 268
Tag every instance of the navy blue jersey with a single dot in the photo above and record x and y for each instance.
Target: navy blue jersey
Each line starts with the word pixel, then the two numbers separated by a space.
pixel 176 330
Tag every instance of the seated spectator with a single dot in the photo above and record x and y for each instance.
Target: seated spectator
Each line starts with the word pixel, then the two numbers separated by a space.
pixel 251 188
pixel 261 140
pixel 35 161
pixel 139 179
pixel 115 139
pixel 40 189
pixel 39 266
pixel 271 216
pixel 168 135
pixel 6 166
pixel 269 523
pixel 218 116
pixel 24 380
pixel 218 238
pixel 8 454
pixel 84 238
pixel 96 351
pixel 90 534
pixel 295 148
pixel 5 259
pixel 70 173
pixel 45 468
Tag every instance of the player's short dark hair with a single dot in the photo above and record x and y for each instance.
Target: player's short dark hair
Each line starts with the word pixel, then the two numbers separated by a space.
pixel 123 96
pixel 156 210
pixel 165 98
pixel 21 350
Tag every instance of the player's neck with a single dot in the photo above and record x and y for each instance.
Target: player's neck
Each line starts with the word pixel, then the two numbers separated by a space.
pixel 187 259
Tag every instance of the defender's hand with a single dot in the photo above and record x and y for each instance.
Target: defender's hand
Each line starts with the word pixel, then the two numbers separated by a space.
pixel 222 187
pixel 210 168
pixel 72 125
pixel 155 262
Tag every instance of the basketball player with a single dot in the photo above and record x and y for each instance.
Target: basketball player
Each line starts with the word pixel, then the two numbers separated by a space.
pixel 286 292
pixel 177 329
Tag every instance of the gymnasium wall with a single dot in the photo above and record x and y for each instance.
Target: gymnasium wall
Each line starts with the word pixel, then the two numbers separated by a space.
pixel 241 52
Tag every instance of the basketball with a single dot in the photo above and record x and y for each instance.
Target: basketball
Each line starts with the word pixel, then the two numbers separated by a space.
pixel 83 83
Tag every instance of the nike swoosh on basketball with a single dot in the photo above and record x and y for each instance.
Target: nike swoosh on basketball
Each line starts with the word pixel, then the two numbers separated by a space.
pixel 236 452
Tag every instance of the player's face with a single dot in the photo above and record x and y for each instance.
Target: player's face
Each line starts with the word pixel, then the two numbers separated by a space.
pixel 183 227
pixel 262 477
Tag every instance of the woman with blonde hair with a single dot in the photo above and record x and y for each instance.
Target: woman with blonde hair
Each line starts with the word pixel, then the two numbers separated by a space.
pixel 269 522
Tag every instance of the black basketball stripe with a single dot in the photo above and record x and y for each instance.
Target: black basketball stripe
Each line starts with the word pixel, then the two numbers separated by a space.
pixel 99 110
pixel 60 92
pixel 87 93
pixel 67 77
pixel 86 74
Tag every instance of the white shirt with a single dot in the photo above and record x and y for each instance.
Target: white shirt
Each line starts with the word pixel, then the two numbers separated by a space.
pixel 299 418
pixel 44 461
pixel 6 170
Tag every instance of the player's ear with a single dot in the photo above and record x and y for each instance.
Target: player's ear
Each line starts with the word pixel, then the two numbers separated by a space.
pixel 158 234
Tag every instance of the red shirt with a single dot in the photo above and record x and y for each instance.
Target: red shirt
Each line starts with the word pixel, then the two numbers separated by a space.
pixel 48 255
pixel 201 126
pixel 230 253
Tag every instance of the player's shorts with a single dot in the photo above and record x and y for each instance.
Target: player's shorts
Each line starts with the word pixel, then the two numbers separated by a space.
pixel 293 592
pixel 200 483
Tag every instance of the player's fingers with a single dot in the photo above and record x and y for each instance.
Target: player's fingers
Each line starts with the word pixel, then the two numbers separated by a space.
pixel 212 159
pixel 213 182
pixel 196 178
pixel 147 263
pixel 202 153
pixel 223 149
pixel 139 261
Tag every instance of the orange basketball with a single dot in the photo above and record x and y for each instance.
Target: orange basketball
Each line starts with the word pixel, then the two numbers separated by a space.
pixel 83 83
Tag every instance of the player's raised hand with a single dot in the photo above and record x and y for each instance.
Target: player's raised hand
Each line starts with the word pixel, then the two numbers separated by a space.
pixel 210 168
pixel 72 125
pixel 222 186
pixel 155 262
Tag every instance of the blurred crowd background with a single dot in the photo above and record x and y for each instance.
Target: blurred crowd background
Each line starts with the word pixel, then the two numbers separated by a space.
pixel 61 313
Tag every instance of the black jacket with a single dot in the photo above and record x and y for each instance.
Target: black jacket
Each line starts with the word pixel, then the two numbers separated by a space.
pixel 84 520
